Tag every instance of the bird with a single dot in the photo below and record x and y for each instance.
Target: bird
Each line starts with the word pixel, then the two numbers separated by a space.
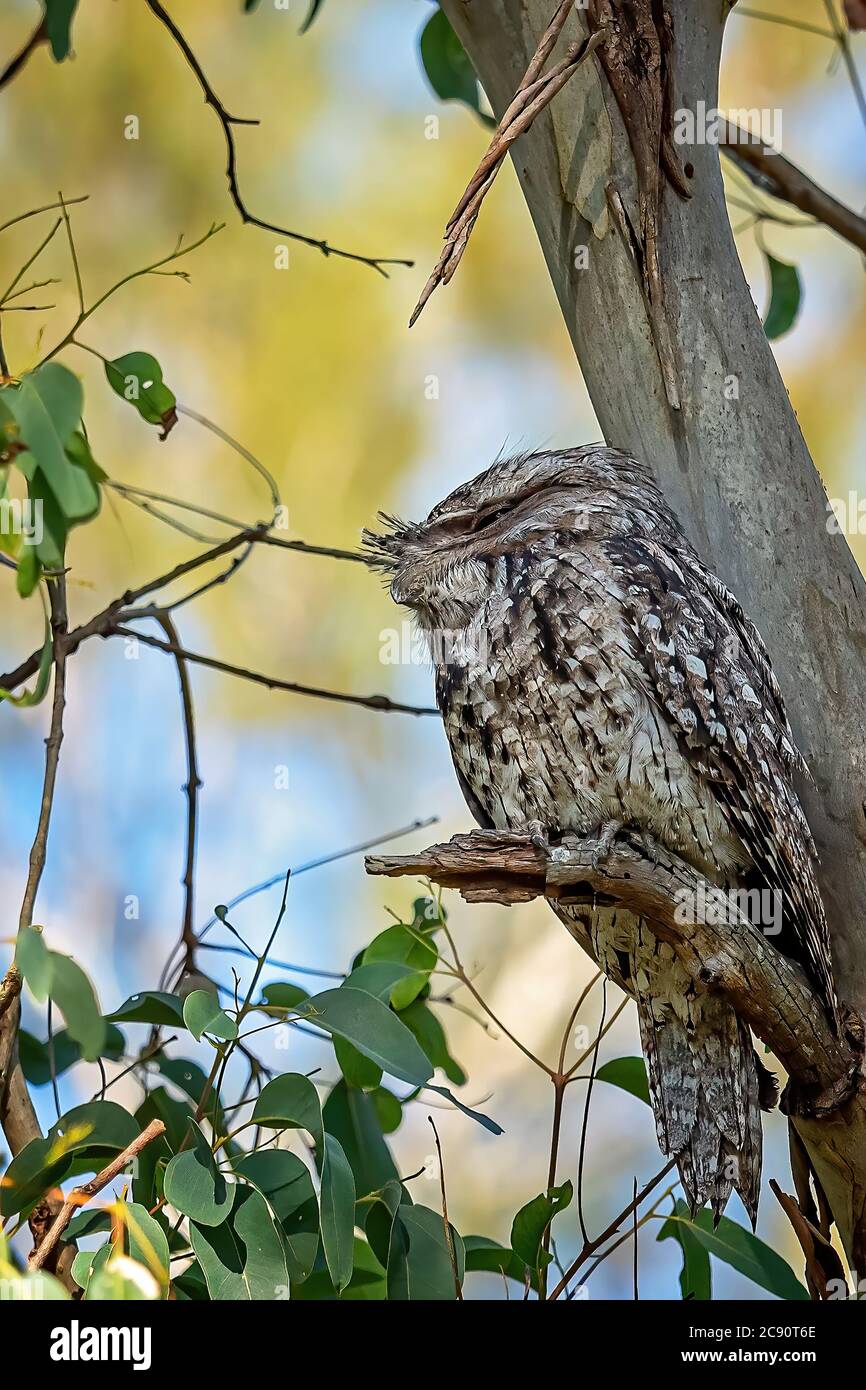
pixel 596 678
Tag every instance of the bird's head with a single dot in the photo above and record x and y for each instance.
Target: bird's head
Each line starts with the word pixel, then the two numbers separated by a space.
pixel 442 567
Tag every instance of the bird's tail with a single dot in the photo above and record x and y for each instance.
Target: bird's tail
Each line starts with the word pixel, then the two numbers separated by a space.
pixel 706 1084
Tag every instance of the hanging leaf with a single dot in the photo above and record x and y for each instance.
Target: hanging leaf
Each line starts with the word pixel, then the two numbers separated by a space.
pixel 743 1251
pixel 137 377
pixel 476 1115
pixel 35 1056
pixel 420 1267
pixel 353 1118
pixel 420 1019
pixel 696 1277
pixel 447 65
pixel 785 296
pixel 151 1006
pixel 290 1102
pixel 487 1255
pixel 629 1074
pixel 202 1014
pixel 52 975
pixel 58 22
pixel 287 1186
pixel 99 1128
pixel 242 1259
pixel 194 1184
pixel 338 1212
pixel 531 1222
pixel 370 1026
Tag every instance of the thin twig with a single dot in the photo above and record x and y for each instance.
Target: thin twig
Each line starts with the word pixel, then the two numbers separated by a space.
pixel 57 599
pixel 777 176
pixel 375 702
pixel 80 1196
pixel 591 1246
pixel 585 1125
pixel 449 1239
pixel 227 122
pixel 191 790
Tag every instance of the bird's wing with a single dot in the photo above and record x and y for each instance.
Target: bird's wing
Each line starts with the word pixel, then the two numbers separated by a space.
pixel 711 673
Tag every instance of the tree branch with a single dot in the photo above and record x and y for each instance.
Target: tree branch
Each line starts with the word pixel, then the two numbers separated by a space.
pixel 14 66
pixel 376 702
pixel 227 122
pixel 191 790
pixel 776 175
pixel 764 987
pixel 80 1196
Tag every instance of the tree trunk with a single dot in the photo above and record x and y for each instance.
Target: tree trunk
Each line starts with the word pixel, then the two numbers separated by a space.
pixel 731 459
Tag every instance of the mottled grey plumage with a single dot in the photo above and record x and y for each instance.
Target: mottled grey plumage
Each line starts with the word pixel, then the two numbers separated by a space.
pixel 593 675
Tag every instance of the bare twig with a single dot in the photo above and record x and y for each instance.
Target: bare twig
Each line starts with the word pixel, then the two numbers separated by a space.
pixel 591 1246
pixel 449 1239
pixel 80 1196
pixel 57 598
pixel 101 623
pixel 375 702
pixel 534 93
pixel 227 124
pixel 776 175
pixel 191 790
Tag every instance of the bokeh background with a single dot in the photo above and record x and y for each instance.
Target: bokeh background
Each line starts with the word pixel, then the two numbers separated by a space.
pixel 314 370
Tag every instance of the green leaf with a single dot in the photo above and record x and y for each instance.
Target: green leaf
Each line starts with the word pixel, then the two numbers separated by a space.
pixel 447 65
pixel 99 1128
pixel 53 975
pixel 388 1109
pixel 696 1277
pixel 420 1019
pixel 358 1070
pixel 287 1186
pixel 146 1242
pixel 243 1259
pixel 290 1102
pixel 150 1006
pixel 194 1184
pixel 283 997
pixel 744 1252
pixel 46 661
pixel 27 576
pixel 476 1115
pixel 400 945
pixel 380 1218
pixel 531 1222
pixel 379 977
pixel 122 1280
pixel 315 6
pixel 629 1073
pixel 58 22
pixel 419 1261
pixel 40 1165
pixel 202 1014
pixel 36 1060
pixel 493 1258
pixel 353 1118
pixel 47 406
pixel 370 1026
pixel 785 296
pixel 338 1212
pixel 137 378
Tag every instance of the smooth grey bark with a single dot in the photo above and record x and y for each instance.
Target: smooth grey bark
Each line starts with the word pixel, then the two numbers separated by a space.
pixel 731 461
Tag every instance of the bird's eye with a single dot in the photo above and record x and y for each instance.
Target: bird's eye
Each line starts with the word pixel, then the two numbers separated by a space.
pixel 487 518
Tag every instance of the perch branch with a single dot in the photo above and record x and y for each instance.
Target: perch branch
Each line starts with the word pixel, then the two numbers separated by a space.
pixel 721 949
pixel 534 93
pixel 80 1196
